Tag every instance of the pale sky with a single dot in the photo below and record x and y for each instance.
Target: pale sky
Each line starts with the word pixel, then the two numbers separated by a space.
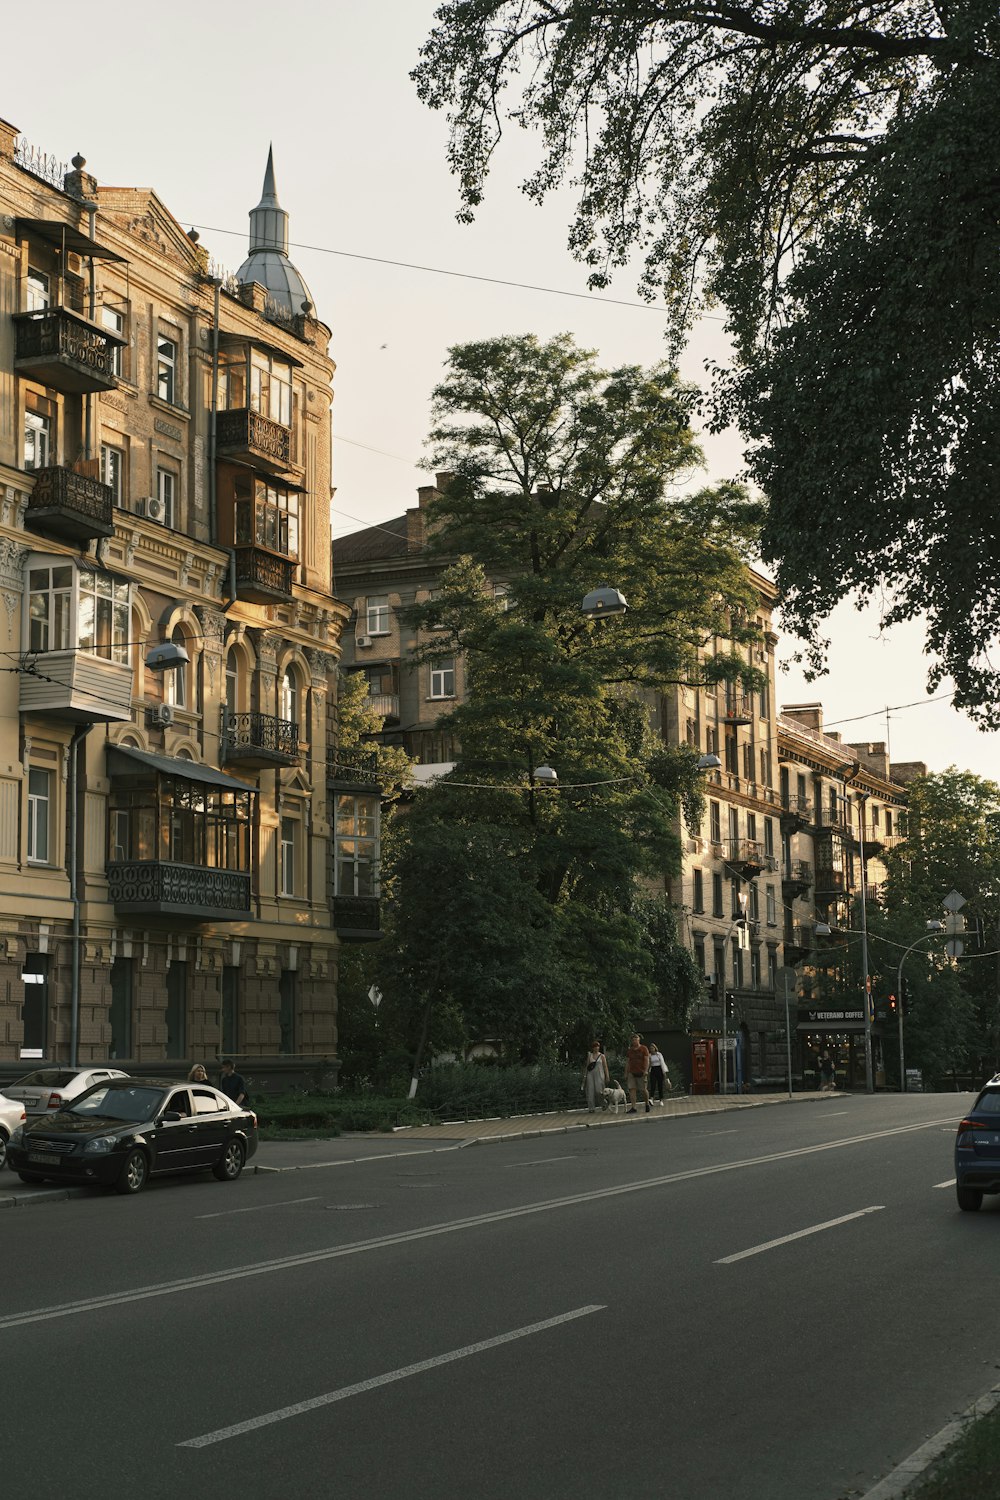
pixel 186 99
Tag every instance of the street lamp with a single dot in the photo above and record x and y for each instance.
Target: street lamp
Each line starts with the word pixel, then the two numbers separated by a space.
pixel 604 601
pixel 933 928
pixel 708 763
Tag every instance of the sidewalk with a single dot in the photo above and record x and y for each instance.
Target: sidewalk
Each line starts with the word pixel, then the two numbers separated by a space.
pixel 353 1149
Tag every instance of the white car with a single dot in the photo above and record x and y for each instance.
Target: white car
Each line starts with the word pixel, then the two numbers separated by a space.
pixel 11 1114
pixel 51 1087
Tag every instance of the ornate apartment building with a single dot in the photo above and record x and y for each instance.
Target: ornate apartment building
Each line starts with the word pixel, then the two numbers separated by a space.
pixel 178 847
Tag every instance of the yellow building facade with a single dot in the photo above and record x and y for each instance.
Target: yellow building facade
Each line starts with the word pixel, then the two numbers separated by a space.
pixel 167 864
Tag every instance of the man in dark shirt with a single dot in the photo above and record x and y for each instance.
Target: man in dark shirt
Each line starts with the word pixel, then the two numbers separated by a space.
pixel 232 1084
pixel 638 1068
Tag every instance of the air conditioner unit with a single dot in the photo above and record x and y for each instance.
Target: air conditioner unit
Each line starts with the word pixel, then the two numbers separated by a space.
pixel 362 640
pixel 153 509
pixel 717 851
pixel 160 716
pixel 694 846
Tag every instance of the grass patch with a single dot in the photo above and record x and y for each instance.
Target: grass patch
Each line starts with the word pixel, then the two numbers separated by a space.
pixel 318 1116
pixel 970 1470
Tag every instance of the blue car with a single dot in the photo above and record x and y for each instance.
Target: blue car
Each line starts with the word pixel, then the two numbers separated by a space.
pixel 977 1149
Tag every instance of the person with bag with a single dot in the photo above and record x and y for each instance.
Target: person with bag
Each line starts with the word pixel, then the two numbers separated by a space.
pixel 657 1072
pixel 595 1077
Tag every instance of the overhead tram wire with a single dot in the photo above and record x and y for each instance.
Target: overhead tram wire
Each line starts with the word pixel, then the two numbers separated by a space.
pixel 404 265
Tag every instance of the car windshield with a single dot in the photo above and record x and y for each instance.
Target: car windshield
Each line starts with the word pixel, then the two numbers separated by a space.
pixel 117 1104
pixel 46 1078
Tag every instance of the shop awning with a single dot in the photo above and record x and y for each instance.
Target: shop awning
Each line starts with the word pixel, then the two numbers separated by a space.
pixel 823 1027
pixel 123 760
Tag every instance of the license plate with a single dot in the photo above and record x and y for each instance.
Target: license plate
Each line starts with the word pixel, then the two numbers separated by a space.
pixel 43 1158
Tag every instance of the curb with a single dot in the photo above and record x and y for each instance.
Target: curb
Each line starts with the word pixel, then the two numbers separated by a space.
pixel 898 1484
pixel 49 1195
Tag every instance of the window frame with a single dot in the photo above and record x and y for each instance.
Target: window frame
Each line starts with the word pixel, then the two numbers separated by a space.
pixel 167 481
pixel 112 460
pixel 37 801
pixel 377 614
pixel 167 368
pixel 441 674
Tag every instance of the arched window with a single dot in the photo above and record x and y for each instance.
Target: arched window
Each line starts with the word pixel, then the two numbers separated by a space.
pixel 232 684
pixel 176 685
pixel 289 704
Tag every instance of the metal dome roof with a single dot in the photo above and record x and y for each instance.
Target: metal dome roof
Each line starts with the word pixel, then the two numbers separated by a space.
pixel 268 262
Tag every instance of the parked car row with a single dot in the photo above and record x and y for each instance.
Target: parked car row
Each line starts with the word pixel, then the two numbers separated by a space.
pixel 116 1131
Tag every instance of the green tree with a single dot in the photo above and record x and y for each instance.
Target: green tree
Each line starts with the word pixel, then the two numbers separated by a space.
pixel 829 173
pixel 517 907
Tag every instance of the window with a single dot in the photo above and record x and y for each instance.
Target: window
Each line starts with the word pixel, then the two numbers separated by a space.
pixel 769 836
pixel 37 438
pixel 443 678
pixel 205 1103
pixel 736 908
pixel 698 900
pixel 271 387
pixel 176 1016
pixel 731 755
pixel 748 761
pixel 754 905
pixel 289 697
pixel 166 491
pixel 377 614
pixel 734 824
pixel 764 705
pixel 37 291
pixel 501 593
pixel 737 965
pixel 770 906
pixel 289 841
pixel 121 1009
pixel 356 837
pixel 717 907
pixel 103 616
pixel 50 601
pixel 114 321
pixel 267 515
pixel 755 968
pixel 699 954
pixel 719 960
pixel 752 827
pixel 166 369
pixel 888 822
pixel 35 1012
pixel 113 471
pixel 772 968
pixel 39 792
pixel 184 821
pixel 715 822
pixel 176 685
pixel 765 766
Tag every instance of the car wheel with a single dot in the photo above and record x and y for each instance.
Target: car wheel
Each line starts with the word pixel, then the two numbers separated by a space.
pixel 231 1164
pixel 3 1150
pixel 132 1177
pixel 970 1200
pixel 30 1177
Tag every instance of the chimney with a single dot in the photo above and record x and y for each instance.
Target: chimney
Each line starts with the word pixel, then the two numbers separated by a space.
pixel 809 715
pixel 8 135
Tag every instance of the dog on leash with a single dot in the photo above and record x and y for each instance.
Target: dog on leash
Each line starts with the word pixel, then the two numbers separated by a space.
pixel 615 1097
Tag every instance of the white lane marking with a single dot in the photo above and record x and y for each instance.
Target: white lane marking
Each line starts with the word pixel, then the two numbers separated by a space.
pixel 801 1234
pixel 541 1161
pixel 431 1231
pixel 950 1183
pixel 238 1428
pixel 717 1132
pixel 257 1208
pixel 828 1114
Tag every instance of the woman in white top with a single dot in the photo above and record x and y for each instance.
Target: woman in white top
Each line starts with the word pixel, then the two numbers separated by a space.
pixel 595 1077
pixel 657 1072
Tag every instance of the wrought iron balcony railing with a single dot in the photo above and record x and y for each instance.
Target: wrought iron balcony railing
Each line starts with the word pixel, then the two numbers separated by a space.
pixel 259 738
pixel 357 918
pixel 65 351
pixel 242 432
pixel 66 504
pixel 263 577
pixel 158 887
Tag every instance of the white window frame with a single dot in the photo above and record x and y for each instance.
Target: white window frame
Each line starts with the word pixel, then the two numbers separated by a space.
pixel 38 290
pixel 443 679
pixel 39 816
pixel 114 322
pixel 166 492
pixel 357 834
pixel 176 685
pixel 113 471
pixel 288 845
pixel 167 368
pixel 39 425
pixel 377 614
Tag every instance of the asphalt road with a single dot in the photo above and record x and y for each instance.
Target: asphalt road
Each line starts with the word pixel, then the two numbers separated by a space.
pixel 779 1304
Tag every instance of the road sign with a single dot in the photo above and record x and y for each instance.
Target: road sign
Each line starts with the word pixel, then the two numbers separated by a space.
pixel 375 995
pixel 954 901
pixel 954 947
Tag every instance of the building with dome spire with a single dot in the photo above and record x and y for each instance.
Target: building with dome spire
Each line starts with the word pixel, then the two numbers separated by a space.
pixel 171 883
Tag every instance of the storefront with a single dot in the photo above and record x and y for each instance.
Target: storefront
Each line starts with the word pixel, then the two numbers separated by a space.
pixel 841 1033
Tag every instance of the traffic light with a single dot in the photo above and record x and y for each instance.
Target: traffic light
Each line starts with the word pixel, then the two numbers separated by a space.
pixel 892 1008
pixel 730 1006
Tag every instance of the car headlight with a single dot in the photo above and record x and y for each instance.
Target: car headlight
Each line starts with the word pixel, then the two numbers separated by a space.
pixel 17 1135
pixel 100 1145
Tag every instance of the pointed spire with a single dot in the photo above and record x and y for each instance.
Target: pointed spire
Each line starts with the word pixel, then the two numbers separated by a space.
pixel 268 221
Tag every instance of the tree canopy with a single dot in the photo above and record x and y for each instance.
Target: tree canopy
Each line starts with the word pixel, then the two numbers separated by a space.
pixel 561 481
pixel 828 172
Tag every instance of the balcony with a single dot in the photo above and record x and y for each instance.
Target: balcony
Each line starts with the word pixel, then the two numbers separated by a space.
pixel 386 704
pixel 259 740
pixel 58 348
pixel 70 506
pixel 76 688
pixel 746 858
pixel 356 919
pixel 245 434
pixel 739 708
pixel 360 771
pixel 830 882
pixel 798 941
pixel 796 813
pixel 160 888
pixel 796 877
pixel 263 577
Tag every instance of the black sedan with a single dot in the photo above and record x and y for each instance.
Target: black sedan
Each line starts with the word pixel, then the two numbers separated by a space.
pixel 123 1132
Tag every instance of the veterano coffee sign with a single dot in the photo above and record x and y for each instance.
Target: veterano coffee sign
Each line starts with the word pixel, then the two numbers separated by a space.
pixel 826 1017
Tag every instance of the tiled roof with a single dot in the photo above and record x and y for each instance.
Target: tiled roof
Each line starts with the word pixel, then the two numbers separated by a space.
pixel 388 539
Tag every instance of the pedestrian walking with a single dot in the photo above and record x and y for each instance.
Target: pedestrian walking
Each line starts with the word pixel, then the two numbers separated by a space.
pixel 638 1067
pixel 232 1084
pixel 595 1077
pixel 198 1074
pixel 658 1074
pixel 828 1073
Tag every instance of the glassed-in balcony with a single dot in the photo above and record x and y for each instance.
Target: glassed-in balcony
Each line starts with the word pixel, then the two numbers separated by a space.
pixel 162 888
pixel 76 687
pixel 259 740
pixel 60 349
pixel 246 434
pixel 356 919
pixel 263 577
pixel 71 506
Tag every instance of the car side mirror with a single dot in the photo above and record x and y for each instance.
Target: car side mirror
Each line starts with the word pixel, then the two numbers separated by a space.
pixel 171 1116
